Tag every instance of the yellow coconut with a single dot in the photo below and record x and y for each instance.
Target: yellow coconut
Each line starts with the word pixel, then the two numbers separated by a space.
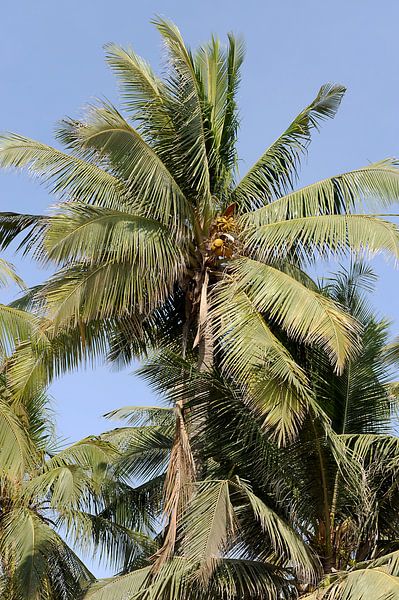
pixel 218 243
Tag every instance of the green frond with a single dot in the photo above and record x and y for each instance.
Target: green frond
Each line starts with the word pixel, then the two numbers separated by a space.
pixel 141 89
pixel 235 58
pixel 218 72
pixel 232 579
pixel 8 275
pixel 42 558
pixel 377 449
pixel 136 508
pixel 304 313
pixel 90 452
pixel 145 451
pixel 376 580
pixel 208 525
pixel 89 234
pixel 68 485
pixel 127 586
pixel 186 114
pixel 67 175
pixel 325 236
pixel 375 184
pixel 13 224
pixel 16 326
pixel 238 578
pixel 153 189
pixel 109 542
pixel 17 453
pixel 276 170
pixel 286 543
pixel 277 387
pixel 36 363
pixel 85 293
pixel 143 415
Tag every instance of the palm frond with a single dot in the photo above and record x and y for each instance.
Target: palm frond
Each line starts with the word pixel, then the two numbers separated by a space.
pixel 85 293
pixel 136 508
pixel 208 525
pixel 377 182
pixel 13 224
pixel 277 386
pixel 304 313
pixel 143 415
pixel 283 539
pixel 324 236
pixel 8 274
pixel 42 558
pixel 67 175
pixel 17 453
pixel 153 189
pixel 376 580
pixel 276 170
pixel 127 586
pixel 145 451
pixel 80 232
pixel 187 115
pixel 109 542
pixel 219 74
pixel 232 579
pixel 141 89
pixel 180 475
pixel 16 326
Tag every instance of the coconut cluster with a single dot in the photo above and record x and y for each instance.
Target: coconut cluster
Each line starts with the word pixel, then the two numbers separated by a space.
pixel 223 243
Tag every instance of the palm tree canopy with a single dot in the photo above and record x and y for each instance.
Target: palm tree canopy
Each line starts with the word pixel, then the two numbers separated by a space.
pixel 157 238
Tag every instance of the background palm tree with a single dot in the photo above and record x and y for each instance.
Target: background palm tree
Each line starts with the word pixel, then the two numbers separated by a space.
pixel 51 496
pixel 267 519
pixel 16 326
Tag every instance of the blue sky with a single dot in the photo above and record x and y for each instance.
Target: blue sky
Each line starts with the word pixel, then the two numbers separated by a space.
pixel 51 63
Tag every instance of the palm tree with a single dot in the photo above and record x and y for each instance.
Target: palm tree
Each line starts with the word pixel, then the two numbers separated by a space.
pixel 49 497
pixel 35 561
pixel 269 520
pixel 158 243
pixel 158 240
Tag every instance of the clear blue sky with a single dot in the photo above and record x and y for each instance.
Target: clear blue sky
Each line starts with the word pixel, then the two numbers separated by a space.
pixel 51 63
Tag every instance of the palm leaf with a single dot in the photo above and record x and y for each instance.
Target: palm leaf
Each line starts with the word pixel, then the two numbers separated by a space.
pixel 276 169
pixel 67 175
pixel 277 387
pixel 304 313
pixel 41 557
pixel 81 232
pixel 141 88
pixel 376 580
pixel 187 116
pixel 324 236
pixel 208 525
pixel 17 453
pixel 13 224
pixel 282 538
pixel 335 195
pixel 156 193
pixel 16 326
pixel 142 415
